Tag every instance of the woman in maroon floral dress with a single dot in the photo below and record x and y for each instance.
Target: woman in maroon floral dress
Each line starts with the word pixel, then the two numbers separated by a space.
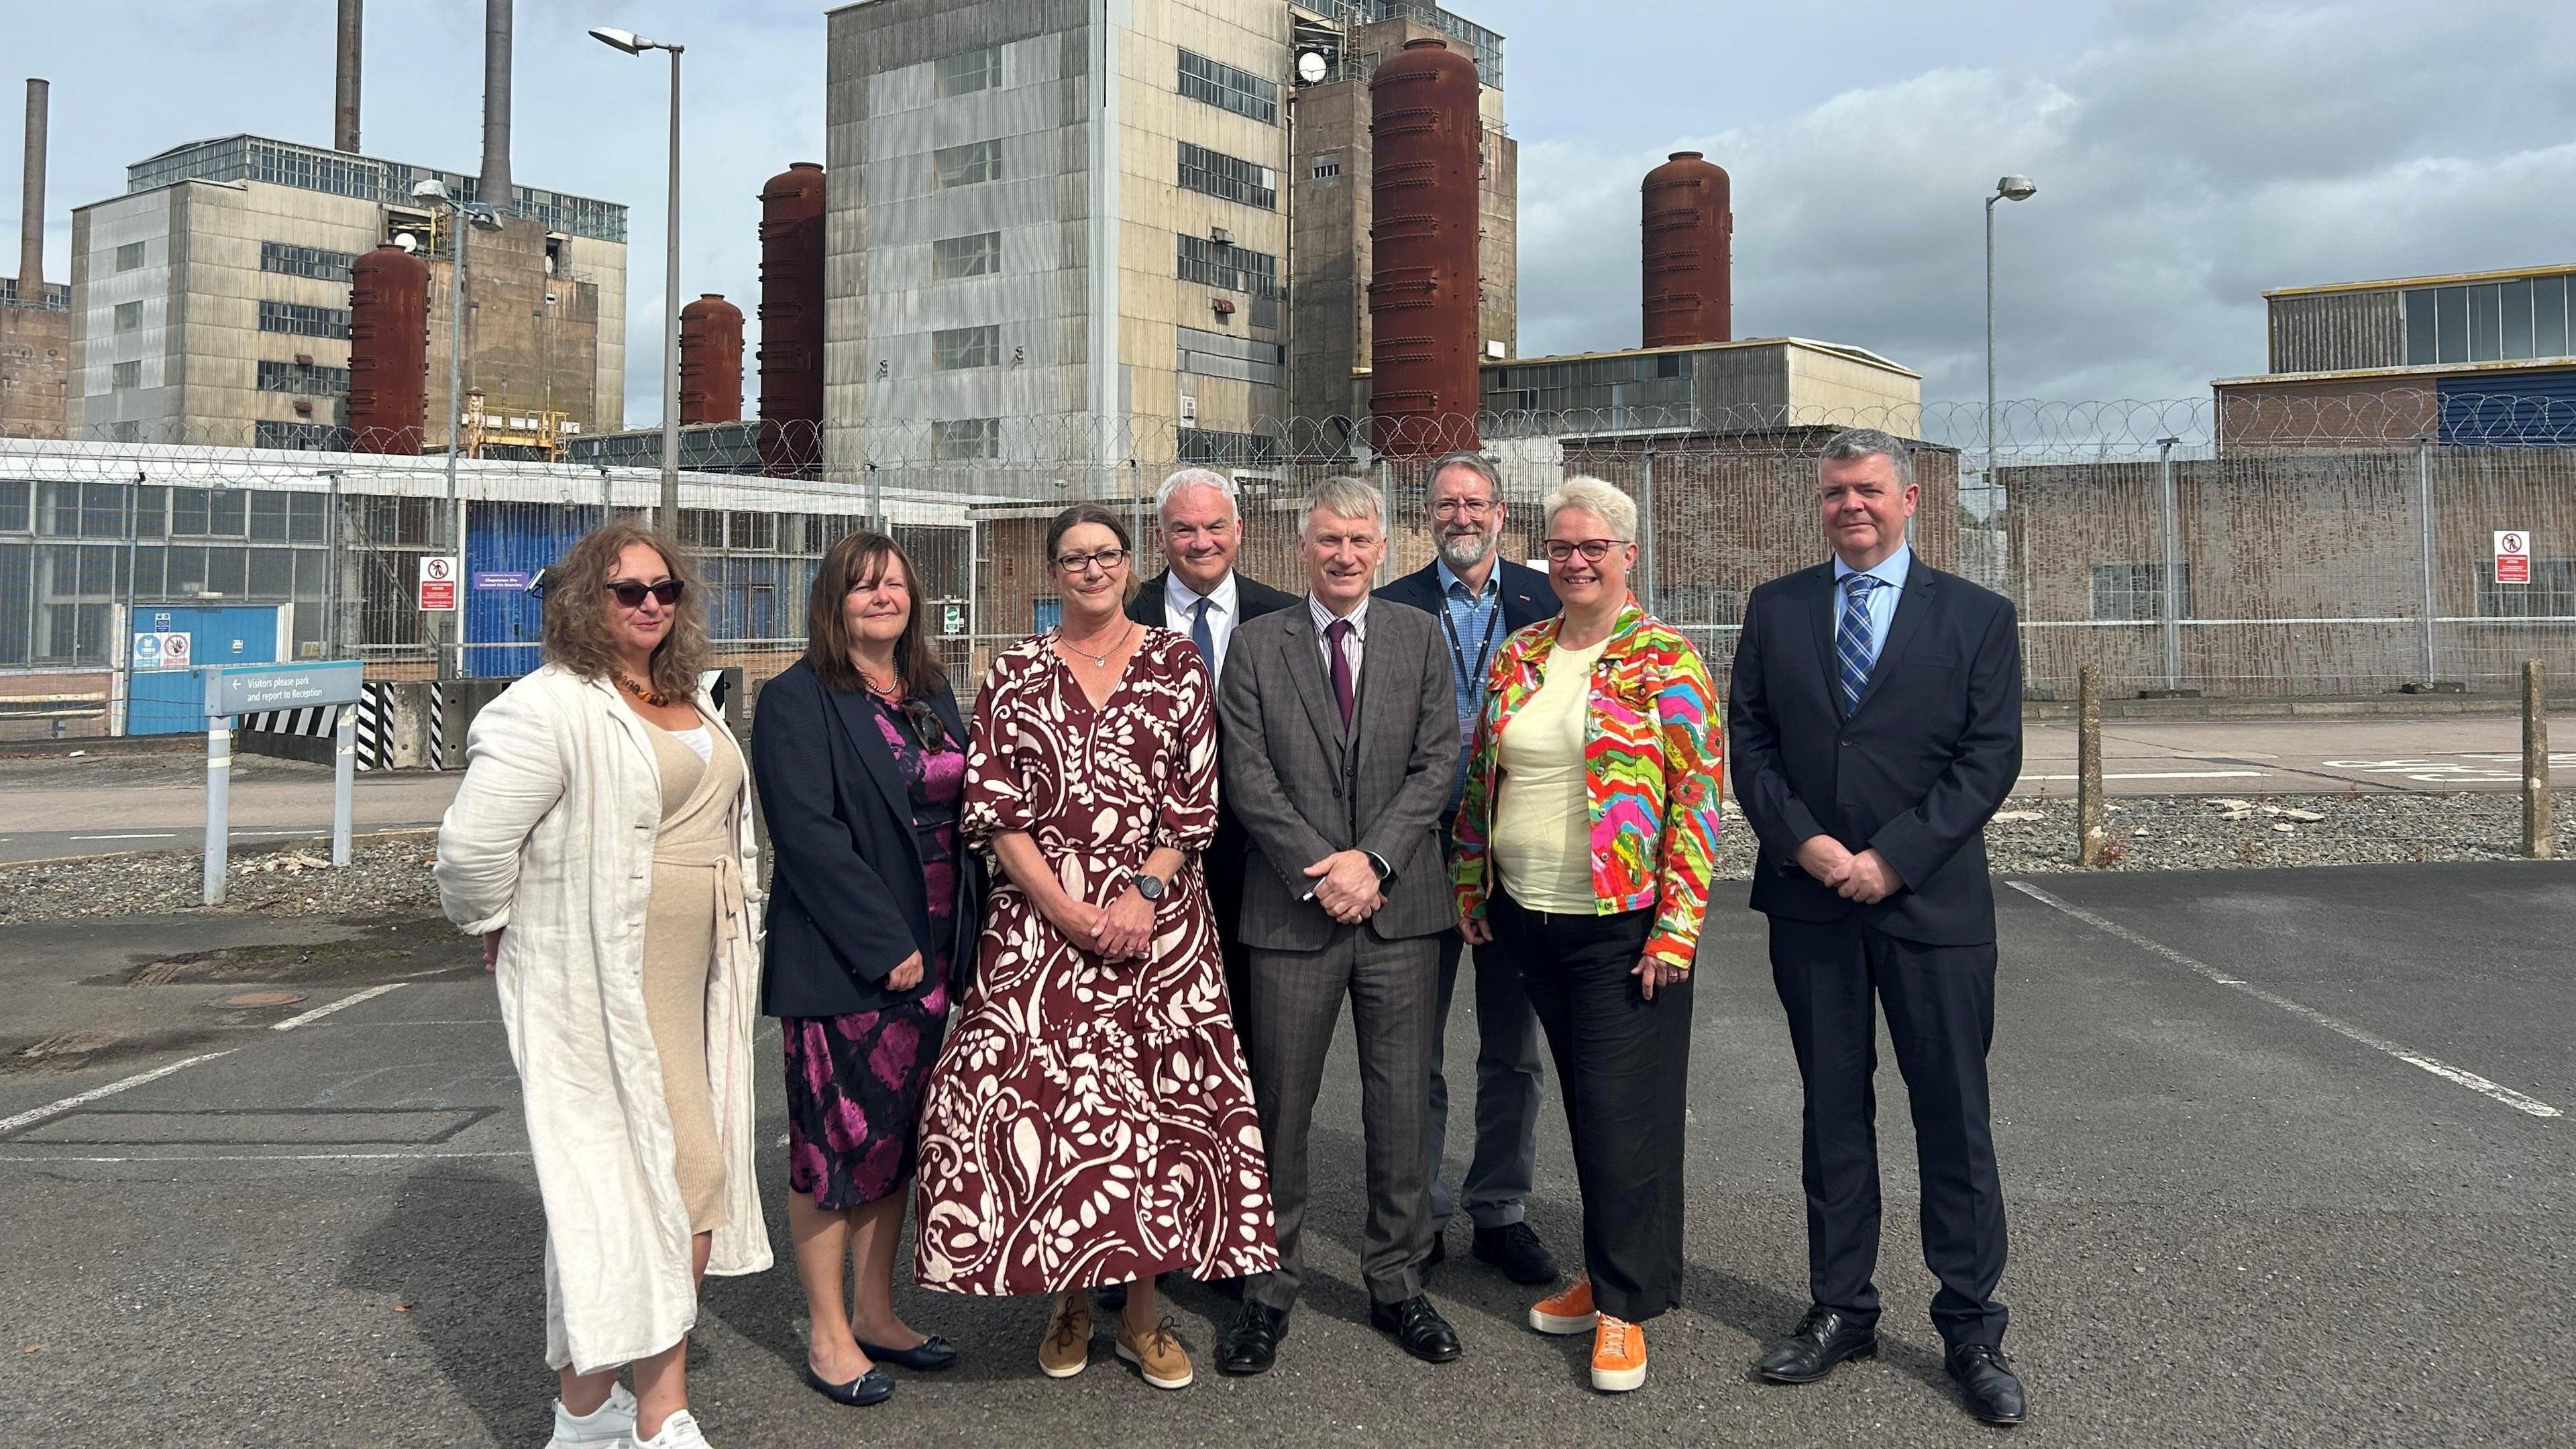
pixel 1090 1120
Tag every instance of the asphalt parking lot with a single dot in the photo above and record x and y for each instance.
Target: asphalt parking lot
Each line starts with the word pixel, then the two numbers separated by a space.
pixel 2273 1142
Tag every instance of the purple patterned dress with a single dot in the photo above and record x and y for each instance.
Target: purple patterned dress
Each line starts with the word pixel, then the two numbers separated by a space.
pixel 854 1082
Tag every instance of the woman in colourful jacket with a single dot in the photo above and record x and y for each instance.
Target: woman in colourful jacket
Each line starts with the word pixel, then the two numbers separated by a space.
pixel 1583 851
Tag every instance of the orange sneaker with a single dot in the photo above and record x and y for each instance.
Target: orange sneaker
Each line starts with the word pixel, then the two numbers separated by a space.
pixel 1569 1311
pixel 1618 1355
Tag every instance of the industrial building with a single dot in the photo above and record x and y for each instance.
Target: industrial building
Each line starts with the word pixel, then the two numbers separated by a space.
pixel 2471 358
pixel 1022 256
pixel 35 315
pixel 1701 387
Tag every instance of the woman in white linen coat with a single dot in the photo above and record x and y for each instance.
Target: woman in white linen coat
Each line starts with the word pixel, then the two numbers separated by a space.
pixel 601 845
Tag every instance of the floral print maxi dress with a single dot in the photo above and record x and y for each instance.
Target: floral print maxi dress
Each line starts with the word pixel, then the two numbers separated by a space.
pixel 1091 1121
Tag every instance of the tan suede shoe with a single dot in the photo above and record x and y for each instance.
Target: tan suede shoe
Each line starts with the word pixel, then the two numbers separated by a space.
pixel 1066 1349
pixel 1158 1355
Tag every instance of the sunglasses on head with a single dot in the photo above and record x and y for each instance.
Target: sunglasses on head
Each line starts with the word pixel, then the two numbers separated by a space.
pixel 630 594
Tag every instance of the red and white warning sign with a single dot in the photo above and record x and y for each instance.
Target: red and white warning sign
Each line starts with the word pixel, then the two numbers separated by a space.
pixel 438 582
pixel 2512 556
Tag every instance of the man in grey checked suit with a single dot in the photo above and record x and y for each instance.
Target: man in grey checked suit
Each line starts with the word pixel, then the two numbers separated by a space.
pixel 1342 736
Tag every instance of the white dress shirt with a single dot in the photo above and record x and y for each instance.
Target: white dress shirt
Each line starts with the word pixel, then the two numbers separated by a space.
pixel 1354 644
pixel 1225 611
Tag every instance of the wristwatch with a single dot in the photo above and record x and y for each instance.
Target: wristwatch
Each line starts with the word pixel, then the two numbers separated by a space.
pixel 1148 885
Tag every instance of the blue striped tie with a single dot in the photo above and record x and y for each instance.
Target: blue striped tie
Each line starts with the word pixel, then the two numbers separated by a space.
pixel 1851 641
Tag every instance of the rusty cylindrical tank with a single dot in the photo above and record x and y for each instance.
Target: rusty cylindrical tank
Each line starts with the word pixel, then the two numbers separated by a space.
pixel 1690 253
pixel 710 360
pixel 791 322
pixel 388 351
pixel 1425 132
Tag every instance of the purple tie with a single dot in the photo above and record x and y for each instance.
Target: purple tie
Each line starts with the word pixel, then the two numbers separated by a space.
pixel 1334 633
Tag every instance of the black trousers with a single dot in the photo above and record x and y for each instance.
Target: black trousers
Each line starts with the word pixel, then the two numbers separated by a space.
pixel 1623 1067
pixel 1940 1003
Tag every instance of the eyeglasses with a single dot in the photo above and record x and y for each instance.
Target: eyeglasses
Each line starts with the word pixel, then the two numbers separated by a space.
pixel 1107 559
pixel 1468 507
pixel 630 594
pixel 1558 550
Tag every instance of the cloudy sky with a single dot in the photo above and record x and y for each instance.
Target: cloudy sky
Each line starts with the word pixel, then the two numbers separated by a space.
pixel 2189 154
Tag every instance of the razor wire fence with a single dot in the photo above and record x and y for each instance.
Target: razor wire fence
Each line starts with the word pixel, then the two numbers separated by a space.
pixel 2267 547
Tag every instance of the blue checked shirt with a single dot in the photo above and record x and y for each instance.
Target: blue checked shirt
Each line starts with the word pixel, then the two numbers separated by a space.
pixel 1890 573
pixel 1470 616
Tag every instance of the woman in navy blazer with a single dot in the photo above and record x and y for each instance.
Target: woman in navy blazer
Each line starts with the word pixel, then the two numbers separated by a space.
pixel 875 908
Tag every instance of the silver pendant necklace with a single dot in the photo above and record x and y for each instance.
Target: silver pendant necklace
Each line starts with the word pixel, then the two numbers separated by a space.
pixel 1101 659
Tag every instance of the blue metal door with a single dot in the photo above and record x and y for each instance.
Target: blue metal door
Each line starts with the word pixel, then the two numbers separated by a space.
pixel 507 545
pixel 172 701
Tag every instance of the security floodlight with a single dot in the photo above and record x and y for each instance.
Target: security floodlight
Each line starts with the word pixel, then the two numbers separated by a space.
pixel 1312 67
pixel 2016 188
pixel 625 40
pixel 483 217
pixel 432 190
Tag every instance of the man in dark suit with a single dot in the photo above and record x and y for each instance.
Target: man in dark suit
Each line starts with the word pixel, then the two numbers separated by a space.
pixel 1200 594
pixel 1341 741
pixel 1479 598
pixel 1875 715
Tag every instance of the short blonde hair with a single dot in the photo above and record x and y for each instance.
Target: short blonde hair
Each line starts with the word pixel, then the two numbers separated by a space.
pixel 1593 496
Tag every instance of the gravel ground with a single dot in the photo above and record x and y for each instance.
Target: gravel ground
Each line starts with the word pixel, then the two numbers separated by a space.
pixel 390 874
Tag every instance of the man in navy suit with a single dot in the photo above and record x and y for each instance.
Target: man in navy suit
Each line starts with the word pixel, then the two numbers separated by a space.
pixel 1480 598
pixel 1875 715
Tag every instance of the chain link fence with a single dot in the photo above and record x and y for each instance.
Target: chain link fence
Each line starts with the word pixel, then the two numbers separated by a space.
pixel 2269 548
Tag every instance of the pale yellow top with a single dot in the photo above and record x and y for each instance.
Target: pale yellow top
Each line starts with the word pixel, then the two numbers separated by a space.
pixel 1542 844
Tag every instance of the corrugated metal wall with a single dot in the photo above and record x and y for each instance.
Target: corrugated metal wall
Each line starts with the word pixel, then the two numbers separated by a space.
pixel 2333 331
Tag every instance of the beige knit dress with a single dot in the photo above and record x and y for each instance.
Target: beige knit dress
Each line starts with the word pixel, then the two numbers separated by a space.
pixel 697 890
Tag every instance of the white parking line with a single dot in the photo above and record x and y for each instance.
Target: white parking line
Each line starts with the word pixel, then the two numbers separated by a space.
pixel 352 999
pixel 151 835
pixel 2471 1080
pixel 56 1109
pixel 2167 775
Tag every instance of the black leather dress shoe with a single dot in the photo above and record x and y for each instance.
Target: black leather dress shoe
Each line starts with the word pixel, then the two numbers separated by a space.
pixel 1987 1383
pixel 1518 1252
pixel 1418 1328
pixel 1822 1339
pixel 873 1387
pixel 926 1357
pixel 1250 1344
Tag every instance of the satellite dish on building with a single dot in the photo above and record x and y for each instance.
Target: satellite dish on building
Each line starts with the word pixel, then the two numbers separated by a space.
pixel 1311 66
pixel 406 241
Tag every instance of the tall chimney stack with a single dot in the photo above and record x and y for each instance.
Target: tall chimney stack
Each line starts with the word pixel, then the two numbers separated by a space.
pixel 344 95
pixel 495 187
pixel 31 212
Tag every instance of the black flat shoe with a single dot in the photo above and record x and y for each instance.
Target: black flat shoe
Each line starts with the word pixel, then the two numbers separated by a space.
pixel 867 1390
pixel 1418 1328
pixel 1250 1344
pixel 926 1357
pixel 1516 1250
pixel 1822 1339
pixel 1987 1384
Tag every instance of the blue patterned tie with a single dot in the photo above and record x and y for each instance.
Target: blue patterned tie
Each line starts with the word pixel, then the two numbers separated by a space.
pixel 1201 636
pixel 1851 641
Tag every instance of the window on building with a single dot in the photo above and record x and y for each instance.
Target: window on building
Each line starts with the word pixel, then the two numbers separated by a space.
pixel 1213 173
pixel 1222 85
pixel 1328 165
pixel 979 255
pixel 2549 317
pixel 311 378
pixel 129 256
pixel 1236 269
pixel 2135 591
pixel 296 261
pixel 1219 354
pixel 128 431
pixel 1207 445
pixel 966 438
pixel 972 164
pixel 14 510
pixel 2551 594
pixel 125 376
pixel 301 437
pixel 966 73
pixel 297 320
pixel 129 315
pixel 2507 321
pixel 964 347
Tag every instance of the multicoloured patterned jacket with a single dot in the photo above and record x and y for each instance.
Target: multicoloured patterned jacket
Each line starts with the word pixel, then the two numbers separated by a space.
pixel 1654 769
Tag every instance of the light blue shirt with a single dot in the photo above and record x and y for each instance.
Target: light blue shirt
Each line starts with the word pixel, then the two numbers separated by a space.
pixel 1475 623
pixel 1890 573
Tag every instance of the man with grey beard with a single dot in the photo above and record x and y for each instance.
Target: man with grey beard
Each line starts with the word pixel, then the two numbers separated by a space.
pixel 1480 598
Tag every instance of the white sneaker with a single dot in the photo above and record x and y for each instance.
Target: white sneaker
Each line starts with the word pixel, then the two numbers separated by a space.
pixel 680 1431
pixel 610 1426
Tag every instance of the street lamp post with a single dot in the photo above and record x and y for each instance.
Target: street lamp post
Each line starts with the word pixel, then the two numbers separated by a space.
pixel 633 44
pixel 2009 188
pixel 464 218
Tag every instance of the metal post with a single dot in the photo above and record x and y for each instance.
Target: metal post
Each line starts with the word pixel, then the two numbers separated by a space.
pixel 2538 841
pixel 2172 608
pixel 458 226
pixel 119 722
pixel 219 773
pixel 669 522
pixel 331 567
pixel 1990 399
pixel 1646 564
pixel 876 503
pixel 2089 836
pixel 344 772
pixel 2424 544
